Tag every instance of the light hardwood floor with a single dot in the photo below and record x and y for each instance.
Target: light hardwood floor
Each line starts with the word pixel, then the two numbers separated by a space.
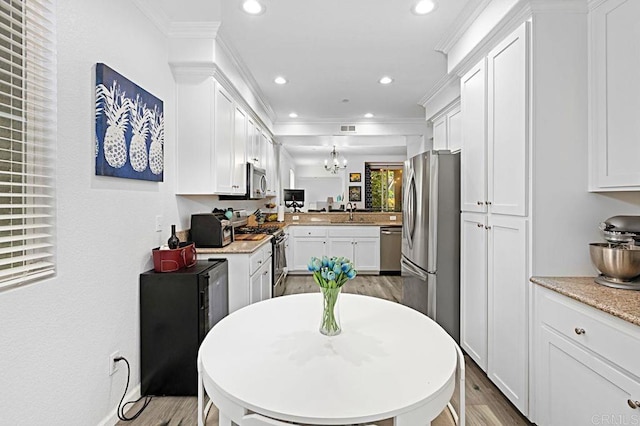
pixel 485 405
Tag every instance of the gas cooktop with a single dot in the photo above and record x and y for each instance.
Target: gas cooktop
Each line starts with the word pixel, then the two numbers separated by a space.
pixel 265 229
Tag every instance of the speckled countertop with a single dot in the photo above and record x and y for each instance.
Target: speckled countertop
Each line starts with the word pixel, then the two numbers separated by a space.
pixel 623 304
pixel 236 247
pixel 354 223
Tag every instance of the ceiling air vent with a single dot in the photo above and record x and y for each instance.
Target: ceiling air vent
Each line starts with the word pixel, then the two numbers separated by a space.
pixel 348 128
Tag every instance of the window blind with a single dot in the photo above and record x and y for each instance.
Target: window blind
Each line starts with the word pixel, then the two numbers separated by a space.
pixel 27 140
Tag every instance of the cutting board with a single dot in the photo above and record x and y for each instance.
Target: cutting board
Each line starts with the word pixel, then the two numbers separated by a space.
pixel 250 237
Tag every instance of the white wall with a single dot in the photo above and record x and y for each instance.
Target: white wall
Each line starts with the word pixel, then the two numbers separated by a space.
pixel 56 335
pixel 565 215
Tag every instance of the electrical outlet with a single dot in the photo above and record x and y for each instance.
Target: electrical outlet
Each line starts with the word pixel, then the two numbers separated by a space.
pixel 392 218
pixel 158 223
pixel 113 364
pixel 296 217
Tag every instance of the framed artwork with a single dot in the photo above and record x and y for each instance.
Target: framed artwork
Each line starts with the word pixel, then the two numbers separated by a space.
pixel 355 177
pixel 355 193
pixel 129 134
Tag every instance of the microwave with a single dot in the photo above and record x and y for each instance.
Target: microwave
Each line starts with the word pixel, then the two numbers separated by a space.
pixel 256 182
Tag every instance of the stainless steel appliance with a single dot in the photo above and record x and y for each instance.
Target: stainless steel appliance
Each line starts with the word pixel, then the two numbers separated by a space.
pixel 211 229
pixel 390 246
pixel 431 237
pixel 279 257
pixel 177 310
pixel 279 263
pixel 618 260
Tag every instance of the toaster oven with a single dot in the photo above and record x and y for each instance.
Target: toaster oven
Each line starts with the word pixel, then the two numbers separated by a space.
pixel 212 230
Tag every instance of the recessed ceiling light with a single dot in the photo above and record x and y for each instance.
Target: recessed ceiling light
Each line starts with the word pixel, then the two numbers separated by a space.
pixel 280 80
pixel 293 115
pixel 423 7
pixel 252 7
pixel 368 115
pixel 385 80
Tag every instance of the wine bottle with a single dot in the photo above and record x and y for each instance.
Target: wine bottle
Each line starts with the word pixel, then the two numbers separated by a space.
pixel 173 239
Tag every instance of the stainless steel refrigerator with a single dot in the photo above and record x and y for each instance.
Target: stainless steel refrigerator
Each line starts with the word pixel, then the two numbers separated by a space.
pixel 431 237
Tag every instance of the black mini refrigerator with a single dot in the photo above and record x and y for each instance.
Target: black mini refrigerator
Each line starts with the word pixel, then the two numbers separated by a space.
pixel 177 310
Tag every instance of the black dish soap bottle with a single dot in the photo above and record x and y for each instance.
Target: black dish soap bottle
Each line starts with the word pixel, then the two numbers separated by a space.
pixel 173 239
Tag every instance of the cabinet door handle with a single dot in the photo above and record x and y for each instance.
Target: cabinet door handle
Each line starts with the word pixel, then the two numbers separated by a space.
pixel 579 330
pixel 487 227
pixel 633 404
pixel 259 262
pixel 265 272
pixel 479 225
pixel 488 203
pixel 480 203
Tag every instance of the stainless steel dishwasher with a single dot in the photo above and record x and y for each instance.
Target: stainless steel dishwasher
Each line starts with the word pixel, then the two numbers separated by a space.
pixel 390 248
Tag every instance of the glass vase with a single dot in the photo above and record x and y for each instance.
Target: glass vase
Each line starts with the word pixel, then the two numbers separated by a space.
pixel 330 324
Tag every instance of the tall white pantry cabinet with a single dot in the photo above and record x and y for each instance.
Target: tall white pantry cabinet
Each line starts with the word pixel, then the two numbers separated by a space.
pixel 524 177
pixel 494 97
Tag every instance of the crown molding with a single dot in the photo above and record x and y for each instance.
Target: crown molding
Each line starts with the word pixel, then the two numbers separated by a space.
pixel 522 11
pixel 155 14
pixel 437 88
pixel 206 30
pixel 246 75
pixel 593 4
pixel 572 6
pixel 341 122
pixel 461 24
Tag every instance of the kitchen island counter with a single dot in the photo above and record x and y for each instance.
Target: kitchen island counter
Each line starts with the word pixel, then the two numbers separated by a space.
pixel 624 304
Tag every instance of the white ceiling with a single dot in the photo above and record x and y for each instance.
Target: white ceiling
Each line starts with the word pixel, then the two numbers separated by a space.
pixel 331 50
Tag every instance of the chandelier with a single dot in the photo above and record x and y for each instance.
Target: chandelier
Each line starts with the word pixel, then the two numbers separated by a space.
pixel 333 165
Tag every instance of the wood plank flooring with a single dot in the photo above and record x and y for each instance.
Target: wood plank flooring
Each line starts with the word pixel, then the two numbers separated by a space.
pixel 485 405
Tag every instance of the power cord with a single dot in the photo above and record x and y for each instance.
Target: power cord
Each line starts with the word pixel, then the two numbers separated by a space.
pixel 121 407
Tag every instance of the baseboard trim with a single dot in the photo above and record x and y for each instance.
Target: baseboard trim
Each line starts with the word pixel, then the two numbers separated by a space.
pixel 112 417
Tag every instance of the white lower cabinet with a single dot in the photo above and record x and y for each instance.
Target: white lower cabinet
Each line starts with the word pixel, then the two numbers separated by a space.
pixel 260 288
pixel 493 300
pixel 360 244
pixel 473 287
pixel 249 277
pixel 507 332
pixel 306 242
pixel 586 364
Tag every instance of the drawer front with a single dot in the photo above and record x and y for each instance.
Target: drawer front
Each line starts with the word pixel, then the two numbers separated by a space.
pixel 610 337
pixel 354 231
pixel 309 231
pixel 267 251
pixel 256 260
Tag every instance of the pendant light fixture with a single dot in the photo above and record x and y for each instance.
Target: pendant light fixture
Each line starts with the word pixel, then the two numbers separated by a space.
pixel 333 164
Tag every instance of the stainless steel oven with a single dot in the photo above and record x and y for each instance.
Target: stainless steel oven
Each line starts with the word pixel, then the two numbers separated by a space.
pixel 279 241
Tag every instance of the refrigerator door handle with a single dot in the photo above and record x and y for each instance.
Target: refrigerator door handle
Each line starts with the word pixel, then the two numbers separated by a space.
pixel 413 270
pixel 409 223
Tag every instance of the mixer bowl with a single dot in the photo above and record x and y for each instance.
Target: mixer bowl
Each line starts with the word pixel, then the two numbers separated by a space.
pixel 616 262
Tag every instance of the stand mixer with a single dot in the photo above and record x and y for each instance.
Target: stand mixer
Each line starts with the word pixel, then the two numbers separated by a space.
pixel 618 260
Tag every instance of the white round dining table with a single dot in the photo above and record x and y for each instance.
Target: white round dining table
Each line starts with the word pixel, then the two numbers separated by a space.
pixel 269 358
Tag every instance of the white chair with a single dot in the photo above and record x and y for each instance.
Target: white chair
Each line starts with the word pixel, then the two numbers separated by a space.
pixel 459 418
pixel 258 420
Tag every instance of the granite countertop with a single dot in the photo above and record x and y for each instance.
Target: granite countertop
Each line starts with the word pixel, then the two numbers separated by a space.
pixel 236 247
pixel 624 304
pixel 354 223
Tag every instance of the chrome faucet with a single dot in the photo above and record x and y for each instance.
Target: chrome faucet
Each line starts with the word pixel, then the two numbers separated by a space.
pixel 350 208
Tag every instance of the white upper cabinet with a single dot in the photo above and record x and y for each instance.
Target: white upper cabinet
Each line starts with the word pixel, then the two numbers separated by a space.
pixel 253 143
pixel 507 71
pixel 614 96
pixel 212 138
pixel 473 96
pixel 447 131
pixel 229 144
